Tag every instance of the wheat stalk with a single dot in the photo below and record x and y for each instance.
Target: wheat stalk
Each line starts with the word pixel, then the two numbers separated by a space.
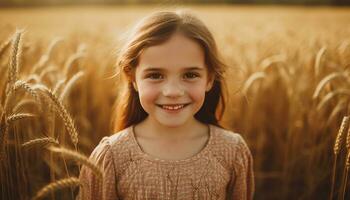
pixel 46 71
pixel 318 60
pixel 348 140
pixel 326 80
pixel 46 57
pixel 70 84
pixel 336 150
pixel 252 78
pixel 58 185
pixel 341 105
pixel 346 172
pixel 347 163
pixel 5 113
pixel 267 62
pixel 78 157
pixel 331 95
pixel 19 84
pixel 343 46
pixel 67 120
pixel 339 138
pixel 19 116
pixel 41 142
pixel 3 135
pixel 70 61
pixel 14 61
pixel 58 86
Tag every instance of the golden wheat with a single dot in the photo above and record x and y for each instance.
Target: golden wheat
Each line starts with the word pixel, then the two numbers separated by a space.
pixel 326 80
pixel 336 149
pixel 78 157
pixel 70 84
pixel 328 97
pixel 319 55
pixel 14 62
pixel 297 80
pixel 19 116
pixel 252 78
pixel 63 113
pixel 40 142
pixel 58 185
pixel 46 57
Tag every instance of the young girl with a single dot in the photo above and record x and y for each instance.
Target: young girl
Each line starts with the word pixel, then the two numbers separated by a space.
pixel 168 143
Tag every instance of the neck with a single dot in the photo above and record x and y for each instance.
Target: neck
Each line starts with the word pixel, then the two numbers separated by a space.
pixel 153 129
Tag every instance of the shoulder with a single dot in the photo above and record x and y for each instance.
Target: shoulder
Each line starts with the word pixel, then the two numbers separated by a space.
pixel 227 138
pixel 230 147
pixel 109 145
pixel 120 138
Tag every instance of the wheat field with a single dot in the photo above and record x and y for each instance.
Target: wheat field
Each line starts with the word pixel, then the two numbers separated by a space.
pixel 288 82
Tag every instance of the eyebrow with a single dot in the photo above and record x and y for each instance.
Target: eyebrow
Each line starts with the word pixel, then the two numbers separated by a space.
pixel 162 69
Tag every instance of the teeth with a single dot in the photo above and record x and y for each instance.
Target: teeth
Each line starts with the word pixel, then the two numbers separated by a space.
pixel 173 107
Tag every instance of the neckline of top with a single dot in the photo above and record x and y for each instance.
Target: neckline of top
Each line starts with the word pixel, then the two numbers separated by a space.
pixel 165 161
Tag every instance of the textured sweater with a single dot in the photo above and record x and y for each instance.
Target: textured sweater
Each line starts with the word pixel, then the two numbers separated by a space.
pixel 223 169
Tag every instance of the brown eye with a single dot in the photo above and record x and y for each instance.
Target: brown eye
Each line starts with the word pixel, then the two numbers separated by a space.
pixel 191 75
pixel 154 76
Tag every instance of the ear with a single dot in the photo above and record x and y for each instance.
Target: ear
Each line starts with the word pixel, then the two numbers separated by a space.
pixel 210 83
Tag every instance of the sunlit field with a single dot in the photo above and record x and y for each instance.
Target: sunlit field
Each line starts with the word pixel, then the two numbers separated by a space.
pixel 288 85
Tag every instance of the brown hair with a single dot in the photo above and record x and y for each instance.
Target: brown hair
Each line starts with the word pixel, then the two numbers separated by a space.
pixel 154 30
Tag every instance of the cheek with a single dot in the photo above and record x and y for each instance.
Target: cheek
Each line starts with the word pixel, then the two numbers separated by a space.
pixel 197 92
pixel 148 94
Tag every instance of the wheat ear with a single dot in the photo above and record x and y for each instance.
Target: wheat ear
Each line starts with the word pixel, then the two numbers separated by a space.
pixel 58 185
pixel 267 62
pixel 63 113
pixel 329 96
pixel 326 80
pixel 14 61
pixel 336 150
pixel 347 163
pixel 318 60
pixel 58 86
pixel 46 57
pixel 41 142
pixel 68 64
pixel 19 84
pixel 19 116
pixel 70 84
pixel 252 78
pixel 78 157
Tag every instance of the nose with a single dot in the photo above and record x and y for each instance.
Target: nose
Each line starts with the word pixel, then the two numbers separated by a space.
pixel 173 89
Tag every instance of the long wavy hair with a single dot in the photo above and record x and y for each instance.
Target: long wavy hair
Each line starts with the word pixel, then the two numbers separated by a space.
pixel 156 29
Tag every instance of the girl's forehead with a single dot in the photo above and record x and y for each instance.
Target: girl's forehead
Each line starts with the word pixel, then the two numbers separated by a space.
pixel 177 51
pixel 165 68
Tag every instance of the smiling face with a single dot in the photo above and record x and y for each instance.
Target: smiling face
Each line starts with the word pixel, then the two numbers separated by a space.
pixel 171 80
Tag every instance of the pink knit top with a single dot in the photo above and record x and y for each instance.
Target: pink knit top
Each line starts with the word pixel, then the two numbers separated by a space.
pixel 223 169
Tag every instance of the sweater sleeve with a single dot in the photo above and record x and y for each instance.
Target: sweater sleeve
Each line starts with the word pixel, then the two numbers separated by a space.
pixel 241 186
pixel 93 188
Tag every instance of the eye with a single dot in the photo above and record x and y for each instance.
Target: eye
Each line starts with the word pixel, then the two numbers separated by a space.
pixel 191 75
pixel 154 76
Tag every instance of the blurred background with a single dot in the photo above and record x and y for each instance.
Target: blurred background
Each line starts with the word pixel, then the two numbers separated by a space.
pixel 289 78
pixel 80 2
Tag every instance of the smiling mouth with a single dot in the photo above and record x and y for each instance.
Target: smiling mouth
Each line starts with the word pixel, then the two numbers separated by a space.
pixel 173 106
